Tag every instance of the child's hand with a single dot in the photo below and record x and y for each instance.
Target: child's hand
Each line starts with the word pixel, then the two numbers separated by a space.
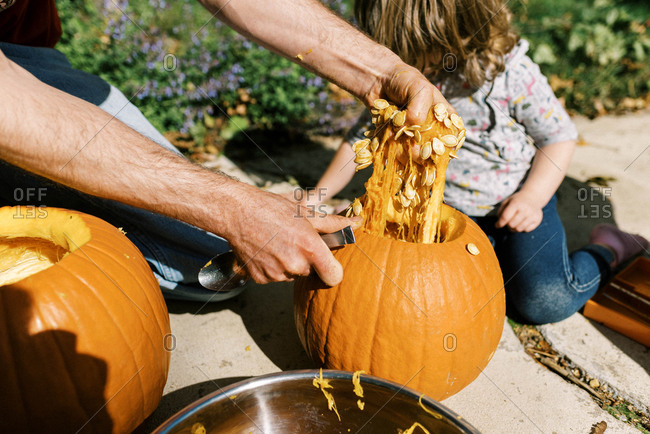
pixel 520 213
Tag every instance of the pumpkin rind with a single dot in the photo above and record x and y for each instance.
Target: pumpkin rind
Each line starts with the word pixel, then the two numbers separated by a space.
pixel 82 342
pixel 426 315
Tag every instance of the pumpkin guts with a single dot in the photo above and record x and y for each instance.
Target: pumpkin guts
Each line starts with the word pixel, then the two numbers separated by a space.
pixel 403 199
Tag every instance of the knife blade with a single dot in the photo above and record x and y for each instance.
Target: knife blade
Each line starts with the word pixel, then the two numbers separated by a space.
pixel 223 272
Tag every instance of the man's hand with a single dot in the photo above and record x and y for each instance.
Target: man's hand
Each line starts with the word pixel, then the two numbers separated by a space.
pixel 520 213
pixel 277 239
pixel 407 86
pixel 269 233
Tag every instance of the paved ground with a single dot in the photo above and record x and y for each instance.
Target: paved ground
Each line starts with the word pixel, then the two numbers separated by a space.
pixel 254 334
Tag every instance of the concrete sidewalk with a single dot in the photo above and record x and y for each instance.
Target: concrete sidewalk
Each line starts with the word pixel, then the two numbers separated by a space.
pixel 254 334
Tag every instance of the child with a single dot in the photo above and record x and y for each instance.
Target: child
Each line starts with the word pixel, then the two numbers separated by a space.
pixel 518 146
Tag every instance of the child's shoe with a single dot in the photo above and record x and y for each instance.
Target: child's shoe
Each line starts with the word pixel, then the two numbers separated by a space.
pixel 622 244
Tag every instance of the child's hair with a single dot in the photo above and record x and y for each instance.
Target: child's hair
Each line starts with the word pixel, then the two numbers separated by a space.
pixel 422 32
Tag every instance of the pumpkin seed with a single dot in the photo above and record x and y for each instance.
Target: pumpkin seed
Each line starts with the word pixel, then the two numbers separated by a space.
pixel 380 104
pixel 360 159
pixel 447 123
pixel 357 207
pixel 388 113
pixel 428 176
pixel 411 179
pixel 360 144
pixel 408 133
pixel 399 132
pixel 409 192
pixel 457 121
pixel 363 166
pixel 461 142
pixel 427 128
pixel 374 144
pixel 437 146
pixel 399 118
pixel 404 201
pixel 431 177
pixel 418 136
pixel 425 151
pixel 423 177
pixel 472 249
pixel 364 152
pixel 449 140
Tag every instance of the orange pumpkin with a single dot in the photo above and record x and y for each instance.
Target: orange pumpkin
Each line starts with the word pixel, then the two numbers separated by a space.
pixel 421 301
pixel 82 325
pixel 429 316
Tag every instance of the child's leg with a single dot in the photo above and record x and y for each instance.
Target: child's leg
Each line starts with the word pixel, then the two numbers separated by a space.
pixel 543 282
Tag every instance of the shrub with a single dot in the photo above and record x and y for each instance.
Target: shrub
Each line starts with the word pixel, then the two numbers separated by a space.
pixel 184 68
pixel 597 52
pixel 187 71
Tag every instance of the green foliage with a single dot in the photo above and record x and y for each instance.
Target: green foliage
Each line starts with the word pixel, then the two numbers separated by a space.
pixel 183 67
pixel 625 412
pixel 599 49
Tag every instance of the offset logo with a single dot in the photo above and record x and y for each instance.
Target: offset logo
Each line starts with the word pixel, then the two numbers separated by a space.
pixel 29 196
pixel 594 203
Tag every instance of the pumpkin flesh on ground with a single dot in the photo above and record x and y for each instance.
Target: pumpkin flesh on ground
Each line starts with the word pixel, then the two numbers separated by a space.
pixel 415 305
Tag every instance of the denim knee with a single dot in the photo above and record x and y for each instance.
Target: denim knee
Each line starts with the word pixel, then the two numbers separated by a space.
pixel 544 302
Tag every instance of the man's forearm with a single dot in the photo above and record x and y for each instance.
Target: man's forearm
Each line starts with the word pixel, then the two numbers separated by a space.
pixel 308 33
pixel 77 144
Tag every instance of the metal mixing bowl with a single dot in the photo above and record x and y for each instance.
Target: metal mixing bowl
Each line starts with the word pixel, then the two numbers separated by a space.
pixel 288 402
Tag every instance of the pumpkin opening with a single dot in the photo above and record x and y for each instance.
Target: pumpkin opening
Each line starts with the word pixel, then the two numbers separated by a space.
pixel 452 224
pixel 34 241
pixel 403 199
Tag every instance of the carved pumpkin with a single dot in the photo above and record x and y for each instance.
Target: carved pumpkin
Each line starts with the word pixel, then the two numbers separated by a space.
pixel 421 302
pixel 82 325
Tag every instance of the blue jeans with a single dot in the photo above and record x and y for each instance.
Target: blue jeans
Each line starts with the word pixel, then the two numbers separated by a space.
pixel 543 282
pixel 175 250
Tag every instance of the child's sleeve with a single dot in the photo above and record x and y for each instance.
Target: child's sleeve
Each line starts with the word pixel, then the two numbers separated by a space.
pixel 533 104
pixel 363 124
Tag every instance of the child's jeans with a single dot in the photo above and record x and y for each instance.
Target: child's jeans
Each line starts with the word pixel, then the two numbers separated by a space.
pixel 543 282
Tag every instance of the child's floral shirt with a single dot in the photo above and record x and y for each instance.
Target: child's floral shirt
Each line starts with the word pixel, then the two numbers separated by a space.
pixel 507 120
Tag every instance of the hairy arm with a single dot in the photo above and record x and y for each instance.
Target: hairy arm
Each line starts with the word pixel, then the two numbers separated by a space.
pixel 331 47
pixel 77 144
pixel 522 212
